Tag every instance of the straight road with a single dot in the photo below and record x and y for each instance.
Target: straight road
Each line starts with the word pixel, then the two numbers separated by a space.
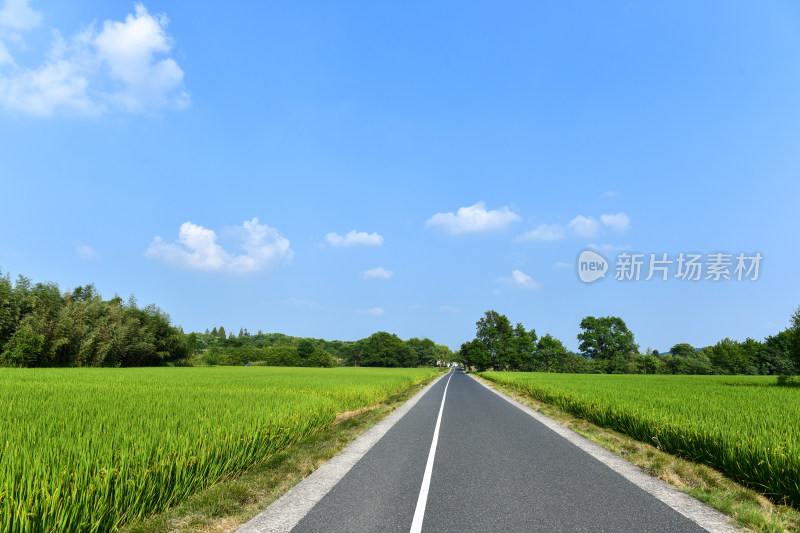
pixel 494 469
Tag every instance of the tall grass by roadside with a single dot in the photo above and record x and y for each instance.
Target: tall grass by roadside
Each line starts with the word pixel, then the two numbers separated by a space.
pixel 741 425
pixel 90 449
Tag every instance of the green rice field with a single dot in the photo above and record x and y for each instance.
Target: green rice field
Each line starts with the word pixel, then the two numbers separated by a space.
pixel 90 449
pixel 744 426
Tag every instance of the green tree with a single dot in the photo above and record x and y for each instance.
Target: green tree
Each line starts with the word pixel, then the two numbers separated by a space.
pixel 192 342
pixel 494 331
pixel 752 351
pixel 683 349
pixel 522 349
pixel 777 354
pixel 305 348
pixel 474 354
pixel 728 357
pixel 550 354
pixel 424 351
pixel 795 344
pixel 385 349
pixel 605 337
pixel 221 333
pixel 443 353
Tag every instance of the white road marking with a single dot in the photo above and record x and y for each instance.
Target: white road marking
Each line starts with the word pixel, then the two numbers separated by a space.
pixel 422 501
pixel 289 509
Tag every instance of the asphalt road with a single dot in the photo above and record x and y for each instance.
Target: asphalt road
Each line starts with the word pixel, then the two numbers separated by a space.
pixel 496 469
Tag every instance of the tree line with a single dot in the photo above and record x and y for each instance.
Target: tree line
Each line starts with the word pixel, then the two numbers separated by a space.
pixel 276 349
pixel 608 346
pixel 41 326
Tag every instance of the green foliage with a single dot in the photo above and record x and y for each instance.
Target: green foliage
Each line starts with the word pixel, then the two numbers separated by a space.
pixel 305 348
pixel 386 349
pixel 231 354
pixel 425 351
pixel 776 357
pixel 551 355
pixel 494 331
pixel 608 347
pixel 475 354
pixel 91 449
pixel 40 326
pixel 683 349
pixel 605 338
pixel 737 425
pixel 795 341
pixel 522 349
pixel 729 357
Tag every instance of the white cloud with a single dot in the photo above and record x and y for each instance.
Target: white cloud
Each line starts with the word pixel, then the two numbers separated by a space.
pixel 197 249
pixel 544 232
pixel 473 219
pixel 564 265
pixel 123 66
pixel 580 226
pixel 619 222
pixel 449 309
pixel 17 15
pixel 86 252
pixel 520 280
pixel 354 238
pixel 608 194
pixel 583 226
pixel 5 56
pixel 375 311
pixel 377 273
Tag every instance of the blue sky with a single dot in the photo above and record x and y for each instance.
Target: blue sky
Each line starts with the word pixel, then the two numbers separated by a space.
pixel 336 169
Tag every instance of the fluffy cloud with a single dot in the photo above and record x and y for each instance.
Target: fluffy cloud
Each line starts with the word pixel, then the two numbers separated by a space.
pixel 473 219
pixel 123 66
pixel 354 238
pixel 375 311
pixel 583 226
pixel 5 56
pixel 377 273
pixel 544 232
pixel 520 280
pixel 17 15
pixel 580 226
pixel 197 249
pixel 619 222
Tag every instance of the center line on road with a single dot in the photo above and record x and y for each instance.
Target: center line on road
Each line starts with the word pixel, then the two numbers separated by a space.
pixel 422 501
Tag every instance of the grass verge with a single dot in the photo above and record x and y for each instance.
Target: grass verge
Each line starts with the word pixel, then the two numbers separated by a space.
pixel 227 505
pixel 751 510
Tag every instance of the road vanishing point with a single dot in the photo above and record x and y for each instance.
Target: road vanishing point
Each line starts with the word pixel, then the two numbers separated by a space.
pixel 461 457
